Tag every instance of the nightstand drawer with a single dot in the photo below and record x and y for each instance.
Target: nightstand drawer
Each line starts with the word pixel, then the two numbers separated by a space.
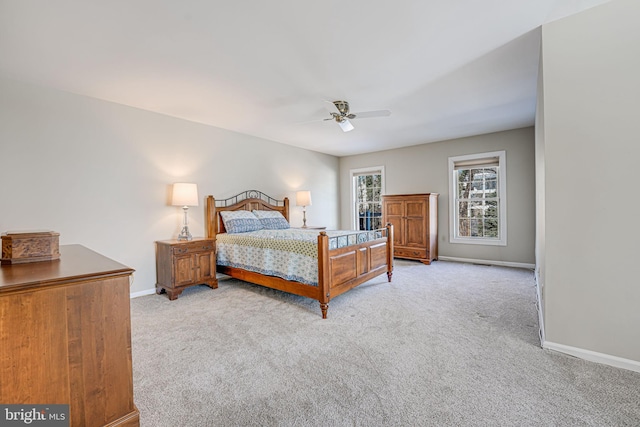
pixel 192 247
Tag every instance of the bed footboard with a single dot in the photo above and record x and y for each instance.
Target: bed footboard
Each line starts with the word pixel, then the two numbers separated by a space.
pixel 346 267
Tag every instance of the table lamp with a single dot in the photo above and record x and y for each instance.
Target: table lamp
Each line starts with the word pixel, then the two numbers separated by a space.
pixel 303 198
pixel 185 195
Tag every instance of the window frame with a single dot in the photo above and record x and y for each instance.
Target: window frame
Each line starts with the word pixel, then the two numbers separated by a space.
pixel 353 173
pixel 502 199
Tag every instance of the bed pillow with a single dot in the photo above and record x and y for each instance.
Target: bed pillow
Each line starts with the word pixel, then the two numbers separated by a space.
pixel 272 220
pixel 240 221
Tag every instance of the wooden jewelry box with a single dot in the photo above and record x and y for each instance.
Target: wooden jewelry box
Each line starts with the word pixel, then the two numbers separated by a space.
pixel 29 246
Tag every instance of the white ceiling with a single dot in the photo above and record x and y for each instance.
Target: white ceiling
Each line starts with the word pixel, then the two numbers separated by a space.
pixel 445 68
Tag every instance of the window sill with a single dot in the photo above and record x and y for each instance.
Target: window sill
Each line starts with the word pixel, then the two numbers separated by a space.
pixel 479 241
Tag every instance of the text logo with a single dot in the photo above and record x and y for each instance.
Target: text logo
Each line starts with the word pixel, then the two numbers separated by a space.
pixel 34 415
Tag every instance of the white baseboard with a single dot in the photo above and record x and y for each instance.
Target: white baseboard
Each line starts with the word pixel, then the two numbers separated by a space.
pixel 489 262
pixel 143 293
pixel 592 356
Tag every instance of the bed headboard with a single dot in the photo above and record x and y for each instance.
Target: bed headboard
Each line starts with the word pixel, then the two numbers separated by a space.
pixel 248 201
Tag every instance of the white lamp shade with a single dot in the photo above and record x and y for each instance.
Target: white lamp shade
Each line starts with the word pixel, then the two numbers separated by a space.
pixel 303 198
pixel 184 194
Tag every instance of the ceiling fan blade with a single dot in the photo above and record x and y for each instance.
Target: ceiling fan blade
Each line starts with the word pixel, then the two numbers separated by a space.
pixel 345 125
pixel 377 113
pixel 331 107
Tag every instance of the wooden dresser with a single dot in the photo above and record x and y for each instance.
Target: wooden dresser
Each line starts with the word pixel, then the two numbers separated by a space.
pixel 65 337
pixel 415 222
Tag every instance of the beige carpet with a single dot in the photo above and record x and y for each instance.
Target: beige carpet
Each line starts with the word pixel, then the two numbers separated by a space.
pixel 448 344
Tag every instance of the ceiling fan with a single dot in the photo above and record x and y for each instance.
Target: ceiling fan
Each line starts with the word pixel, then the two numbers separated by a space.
pixel 342 115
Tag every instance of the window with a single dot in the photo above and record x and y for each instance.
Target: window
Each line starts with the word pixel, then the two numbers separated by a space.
pixel 366 194
pixel 478 199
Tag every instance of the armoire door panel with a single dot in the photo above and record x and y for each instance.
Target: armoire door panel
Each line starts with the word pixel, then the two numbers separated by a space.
pixel 416 233
pixel 416 208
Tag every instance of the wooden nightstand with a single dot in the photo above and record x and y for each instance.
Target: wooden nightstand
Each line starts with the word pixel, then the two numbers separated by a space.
pixel 311 227
pixel 182 263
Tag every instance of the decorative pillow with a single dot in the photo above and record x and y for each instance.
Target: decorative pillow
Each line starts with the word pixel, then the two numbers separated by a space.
pixel 240 221
pixel 272 220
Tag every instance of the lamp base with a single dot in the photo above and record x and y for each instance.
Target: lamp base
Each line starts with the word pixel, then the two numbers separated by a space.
pixel 185 234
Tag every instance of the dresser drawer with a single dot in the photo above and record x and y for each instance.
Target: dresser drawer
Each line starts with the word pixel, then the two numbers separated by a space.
pixel 187 248
pixel 409 253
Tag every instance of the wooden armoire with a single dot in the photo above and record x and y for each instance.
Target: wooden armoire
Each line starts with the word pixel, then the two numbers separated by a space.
pixel 415 222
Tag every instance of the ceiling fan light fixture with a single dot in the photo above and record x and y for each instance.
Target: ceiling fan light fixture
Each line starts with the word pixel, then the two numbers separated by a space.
pixel 345 124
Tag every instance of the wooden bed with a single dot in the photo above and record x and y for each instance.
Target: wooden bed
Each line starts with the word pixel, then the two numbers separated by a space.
pixel 339 269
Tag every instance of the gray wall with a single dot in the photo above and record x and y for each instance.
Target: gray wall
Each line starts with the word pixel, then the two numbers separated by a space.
pixel 424 169
pixel 591 86
pixel 99 173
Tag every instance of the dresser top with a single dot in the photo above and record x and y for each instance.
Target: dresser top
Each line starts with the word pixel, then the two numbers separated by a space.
pixel 76 263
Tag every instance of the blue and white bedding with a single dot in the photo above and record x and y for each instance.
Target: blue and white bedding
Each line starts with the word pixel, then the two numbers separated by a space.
pixel 291 254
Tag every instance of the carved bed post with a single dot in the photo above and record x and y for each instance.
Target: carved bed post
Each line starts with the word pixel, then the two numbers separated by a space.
pixel 323 273
pixel 210 216
pixel 286 208
pixel 390 251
